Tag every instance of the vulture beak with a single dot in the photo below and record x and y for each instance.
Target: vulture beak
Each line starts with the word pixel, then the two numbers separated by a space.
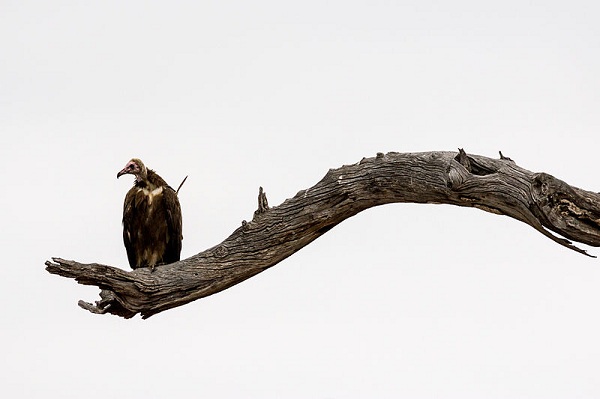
pixel 122 172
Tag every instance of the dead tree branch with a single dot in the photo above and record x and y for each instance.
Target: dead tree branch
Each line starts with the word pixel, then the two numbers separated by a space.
pixel 494 185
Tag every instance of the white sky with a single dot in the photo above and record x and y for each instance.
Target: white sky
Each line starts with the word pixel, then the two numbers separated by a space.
pixel 400 301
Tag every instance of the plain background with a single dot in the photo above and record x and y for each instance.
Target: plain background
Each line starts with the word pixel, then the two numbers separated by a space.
pixel 404 300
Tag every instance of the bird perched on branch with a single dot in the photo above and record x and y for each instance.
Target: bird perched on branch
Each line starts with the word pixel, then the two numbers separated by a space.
pixel 152 225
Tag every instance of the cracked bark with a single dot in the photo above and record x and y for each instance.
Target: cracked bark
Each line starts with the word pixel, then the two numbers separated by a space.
pixel 494 185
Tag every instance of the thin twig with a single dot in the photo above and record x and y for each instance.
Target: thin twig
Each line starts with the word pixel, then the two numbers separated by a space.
pixel 181 184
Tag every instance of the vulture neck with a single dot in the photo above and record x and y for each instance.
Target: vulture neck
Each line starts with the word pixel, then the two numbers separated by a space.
pixel 149 179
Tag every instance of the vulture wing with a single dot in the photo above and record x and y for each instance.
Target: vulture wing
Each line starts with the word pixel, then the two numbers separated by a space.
pixel 174 225
pixel 132 226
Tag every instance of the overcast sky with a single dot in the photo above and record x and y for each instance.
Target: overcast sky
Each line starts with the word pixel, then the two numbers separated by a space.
pixel 404 300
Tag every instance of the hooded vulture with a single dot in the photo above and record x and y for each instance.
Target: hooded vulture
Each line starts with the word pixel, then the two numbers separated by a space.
pixel 152 227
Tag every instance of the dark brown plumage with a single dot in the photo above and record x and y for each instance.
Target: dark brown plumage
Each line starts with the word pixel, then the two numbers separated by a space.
pixel 152 225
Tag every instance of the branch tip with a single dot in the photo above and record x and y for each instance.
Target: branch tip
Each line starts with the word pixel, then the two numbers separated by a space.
pixel 93 308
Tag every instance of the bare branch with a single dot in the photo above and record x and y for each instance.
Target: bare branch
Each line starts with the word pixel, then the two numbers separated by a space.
pixel 494 185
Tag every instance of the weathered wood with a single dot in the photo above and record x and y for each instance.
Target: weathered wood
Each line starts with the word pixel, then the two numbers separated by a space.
pixel 494 185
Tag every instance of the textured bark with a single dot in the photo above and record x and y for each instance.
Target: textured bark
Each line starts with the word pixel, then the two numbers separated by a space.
pixel 494 185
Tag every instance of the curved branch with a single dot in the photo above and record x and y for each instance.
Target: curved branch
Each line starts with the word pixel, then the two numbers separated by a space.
pixel 494 185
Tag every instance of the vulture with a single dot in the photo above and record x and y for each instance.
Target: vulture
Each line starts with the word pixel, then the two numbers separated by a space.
pixel 152 225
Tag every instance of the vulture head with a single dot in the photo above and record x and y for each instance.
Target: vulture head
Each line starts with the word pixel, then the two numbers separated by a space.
pixel 135 167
